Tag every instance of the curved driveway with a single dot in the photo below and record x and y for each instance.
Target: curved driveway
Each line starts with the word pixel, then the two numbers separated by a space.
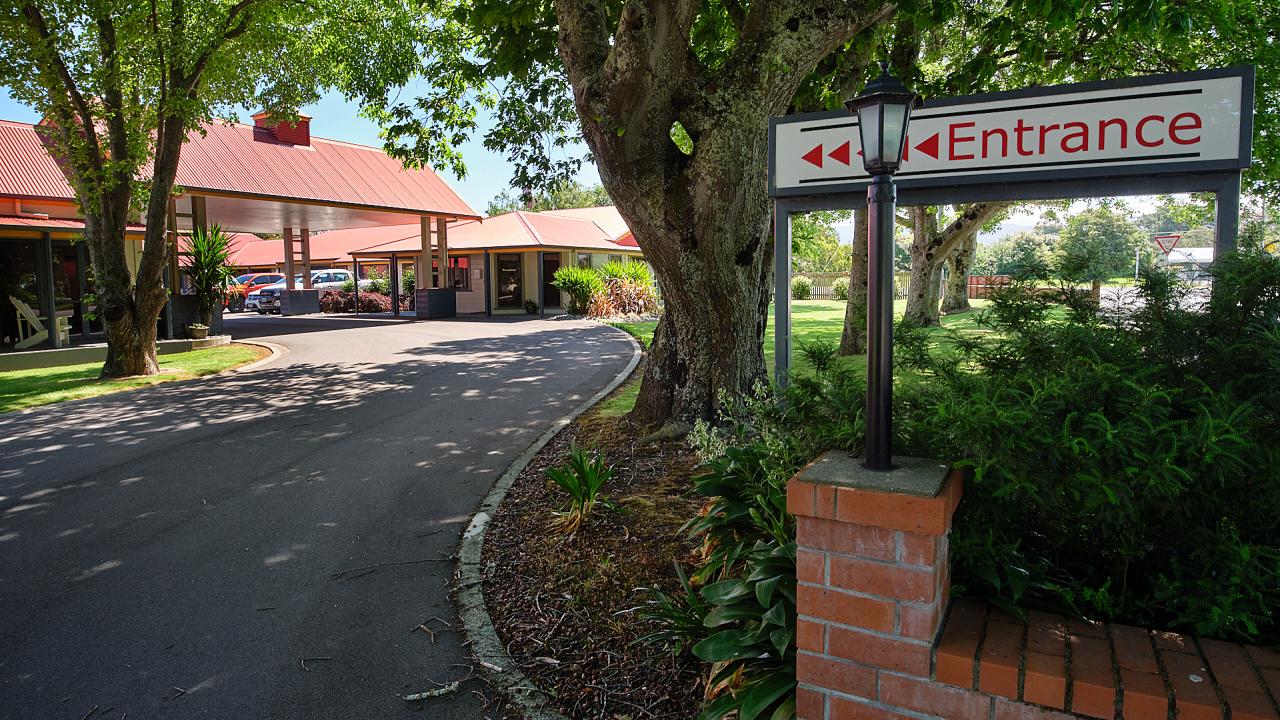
pixel 171 552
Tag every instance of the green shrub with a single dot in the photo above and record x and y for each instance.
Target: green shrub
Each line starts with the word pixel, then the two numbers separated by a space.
pixel 408 281
pixel 840 288
pixel 632 270
pixel 581 477
pixel 581 284
pixel 1151 432
pixel 801 288
pixel 820 353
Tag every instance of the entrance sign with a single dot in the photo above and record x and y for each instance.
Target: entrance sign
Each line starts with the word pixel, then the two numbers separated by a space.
pixel 1186 132
pixel 1183 123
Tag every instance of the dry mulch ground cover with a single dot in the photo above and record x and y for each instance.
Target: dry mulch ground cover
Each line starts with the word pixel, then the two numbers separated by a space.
pixel 566 605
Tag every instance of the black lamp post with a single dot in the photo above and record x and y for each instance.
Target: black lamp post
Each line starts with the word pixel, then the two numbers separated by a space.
pixel 883 110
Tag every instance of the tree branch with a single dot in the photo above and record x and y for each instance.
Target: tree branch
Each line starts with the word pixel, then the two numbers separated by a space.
pixel 36 21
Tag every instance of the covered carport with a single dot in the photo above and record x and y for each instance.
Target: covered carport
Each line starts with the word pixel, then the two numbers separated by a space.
pixel 274 178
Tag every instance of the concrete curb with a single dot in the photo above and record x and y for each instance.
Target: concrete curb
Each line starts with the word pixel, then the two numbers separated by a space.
pixel 277 352
pixel 483 636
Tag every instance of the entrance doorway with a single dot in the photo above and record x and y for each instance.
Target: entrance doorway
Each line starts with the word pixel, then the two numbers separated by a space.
pixel 510 278
pixel 550 293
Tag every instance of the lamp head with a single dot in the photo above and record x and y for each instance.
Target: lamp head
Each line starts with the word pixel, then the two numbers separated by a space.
pixel 883 109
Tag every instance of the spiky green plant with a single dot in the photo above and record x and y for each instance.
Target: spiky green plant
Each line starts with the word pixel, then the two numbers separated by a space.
pixel 207 264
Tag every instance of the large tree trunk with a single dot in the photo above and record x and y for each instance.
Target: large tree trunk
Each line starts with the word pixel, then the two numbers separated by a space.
pixel 955 296
pixel 853 341
pixel 131 310
pixel 930 246
pixel 922 295
pixel 702 219
pixel 713 259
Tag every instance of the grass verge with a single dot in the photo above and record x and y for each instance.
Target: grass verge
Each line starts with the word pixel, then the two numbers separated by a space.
pixel 811 321
pixel 21 389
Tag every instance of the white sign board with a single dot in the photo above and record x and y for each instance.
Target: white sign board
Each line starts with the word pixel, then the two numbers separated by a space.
pixel 1192 122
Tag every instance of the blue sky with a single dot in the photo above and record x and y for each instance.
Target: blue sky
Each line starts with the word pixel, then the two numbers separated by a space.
pixel 488 173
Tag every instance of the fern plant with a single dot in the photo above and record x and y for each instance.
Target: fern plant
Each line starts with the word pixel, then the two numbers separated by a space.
pixel 581 478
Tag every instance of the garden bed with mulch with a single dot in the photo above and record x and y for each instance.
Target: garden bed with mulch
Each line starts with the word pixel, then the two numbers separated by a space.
pixel 567 606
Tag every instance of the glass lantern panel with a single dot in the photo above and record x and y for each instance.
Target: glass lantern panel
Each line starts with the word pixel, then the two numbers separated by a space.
pixel 869 127
pixel 895 117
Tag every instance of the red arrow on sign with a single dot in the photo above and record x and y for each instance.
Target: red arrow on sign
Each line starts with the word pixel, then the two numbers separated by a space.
pixel 814 156
pixel 930 146
pixel 841 154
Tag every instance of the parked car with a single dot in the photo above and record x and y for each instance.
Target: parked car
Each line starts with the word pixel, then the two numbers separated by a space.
pixel 267 299
pixel 238 290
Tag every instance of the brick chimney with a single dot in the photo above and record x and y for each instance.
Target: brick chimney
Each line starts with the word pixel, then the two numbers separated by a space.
pixel 291 133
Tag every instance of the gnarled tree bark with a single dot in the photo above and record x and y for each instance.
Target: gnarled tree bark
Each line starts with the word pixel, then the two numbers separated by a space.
pixel 931 245
pixel 702 219
pixel 853 340
pixel 955 295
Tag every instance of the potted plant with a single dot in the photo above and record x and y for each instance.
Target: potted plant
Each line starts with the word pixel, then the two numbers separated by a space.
pixel 206 265
pixel 531 307
pixel 198 331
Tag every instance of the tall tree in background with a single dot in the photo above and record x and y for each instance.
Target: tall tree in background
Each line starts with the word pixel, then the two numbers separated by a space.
pixel 121 83
pixel 562 196
pixel 1096 245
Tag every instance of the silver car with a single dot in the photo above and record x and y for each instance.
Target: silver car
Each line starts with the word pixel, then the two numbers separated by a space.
pixel 267 299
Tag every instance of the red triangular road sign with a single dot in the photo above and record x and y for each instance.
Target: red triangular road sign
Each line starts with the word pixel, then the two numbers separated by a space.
pixel 840 154
pixel 1170 238
pixel 929 146
pixel 814 156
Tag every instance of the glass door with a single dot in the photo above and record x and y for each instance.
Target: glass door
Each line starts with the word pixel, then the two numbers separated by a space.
pixel 510 280
pixel 550 293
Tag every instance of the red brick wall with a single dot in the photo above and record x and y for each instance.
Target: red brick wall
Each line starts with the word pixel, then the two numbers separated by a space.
pixel 872 568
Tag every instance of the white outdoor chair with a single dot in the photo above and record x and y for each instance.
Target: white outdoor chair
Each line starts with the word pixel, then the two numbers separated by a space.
pixel 31 328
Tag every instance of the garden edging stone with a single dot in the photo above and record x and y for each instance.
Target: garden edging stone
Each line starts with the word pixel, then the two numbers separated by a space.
pixel 486 646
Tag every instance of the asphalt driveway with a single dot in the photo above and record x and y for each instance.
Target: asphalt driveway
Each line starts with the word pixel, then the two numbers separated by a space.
pixel 263 544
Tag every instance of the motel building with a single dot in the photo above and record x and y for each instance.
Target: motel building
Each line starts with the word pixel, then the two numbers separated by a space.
pixel 293 203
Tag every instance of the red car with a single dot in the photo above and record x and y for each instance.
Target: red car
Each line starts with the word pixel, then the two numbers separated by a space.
pixel 240 288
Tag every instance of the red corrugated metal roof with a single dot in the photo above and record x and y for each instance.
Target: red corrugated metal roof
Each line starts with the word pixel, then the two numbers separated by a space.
pixel 329 247
pixel 513 229
pixel 51 223
pixel 243 160
pixel 26 169
pixel 606 216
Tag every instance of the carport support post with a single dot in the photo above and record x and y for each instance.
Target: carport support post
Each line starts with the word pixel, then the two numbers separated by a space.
pixel 542 307
pixel 442 240
pixel 1226 216
pixel 288 259
pixel 393 269
pixel 488 296
pixel 306 258
pixel 355 273
pixel 781 292
pixel 422 274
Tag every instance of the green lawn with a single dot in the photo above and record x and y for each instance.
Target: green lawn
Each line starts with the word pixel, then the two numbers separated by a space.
pixel 816 320
pixel 810 320
pixel 29 388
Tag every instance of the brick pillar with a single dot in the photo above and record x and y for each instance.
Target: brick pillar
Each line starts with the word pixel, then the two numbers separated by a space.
pixel 873 580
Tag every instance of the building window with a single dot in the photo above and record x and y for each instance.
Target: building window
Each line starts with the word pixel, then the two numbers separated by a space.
pixel 584 260
pixel 459 272
pixel 509 276
pixel 615 258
